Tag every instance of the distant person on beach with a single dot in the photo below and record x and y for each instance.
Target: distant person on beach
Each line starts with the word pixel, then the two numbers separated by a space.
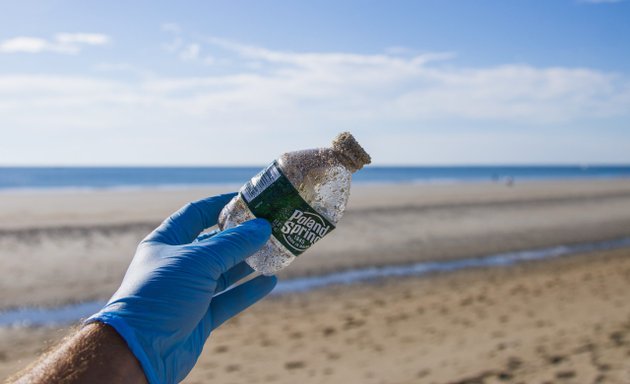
pixel 173 295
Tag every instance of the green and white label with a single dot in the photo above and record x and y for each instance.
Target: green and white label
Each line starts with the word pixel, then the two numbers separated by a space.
pixel 294 223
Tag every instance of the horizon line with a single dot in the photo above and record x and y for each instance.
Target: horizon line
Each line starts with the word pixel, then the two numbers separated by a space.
pixel 437 165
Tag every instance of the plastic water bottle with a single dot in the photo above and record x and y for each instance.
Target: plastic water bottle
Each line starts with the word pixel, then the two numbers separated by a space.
pixel 303 194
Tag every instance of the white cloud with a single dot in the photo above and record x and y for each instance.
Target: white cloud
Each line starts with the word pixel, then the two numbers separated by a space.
pixel 23 44
pixel 313 93
pixel 354 87
pixel 82 38
pixel 67 43
pixel 190 52
pixel 419 88
pixel 315 59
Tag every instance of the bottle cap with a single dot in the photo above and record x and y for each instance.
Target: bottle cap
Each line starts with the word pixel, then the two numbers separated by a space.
pixel 354 156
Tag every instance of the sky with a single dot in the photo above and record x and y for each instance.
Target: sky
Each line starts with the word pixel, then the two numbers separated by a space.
pixel 425 82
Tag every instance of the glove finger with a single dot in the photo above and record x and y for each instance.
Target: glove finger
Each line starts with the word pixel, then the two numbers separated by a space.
pixel 207 235
pixel 185 225
pixel 231 277
pixel 230 303
pixel 231 246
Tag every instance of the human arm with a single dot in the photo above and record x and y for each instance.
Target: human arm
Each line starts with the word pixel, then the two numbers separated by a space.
pixel 94 354
pixel 174 292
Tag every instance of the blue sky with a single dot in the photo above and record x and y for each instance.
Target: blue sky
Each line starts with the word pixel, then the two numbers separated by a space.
pixel 236 82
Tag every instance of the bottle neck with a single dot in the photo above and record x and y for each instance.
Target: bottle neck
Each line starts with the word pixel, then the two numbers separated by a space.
pixel 347 161
pixel 349 152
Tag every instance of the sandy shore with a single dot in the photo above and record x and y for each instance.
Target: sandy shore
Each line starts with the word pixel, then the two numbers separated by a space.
pixel 558 321
pixel 65 247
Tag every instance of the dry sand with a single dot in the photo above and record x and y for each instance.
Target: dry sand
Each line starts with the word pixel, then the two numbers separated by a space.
pixel 559 321
pixel 556 321
pixel 563 321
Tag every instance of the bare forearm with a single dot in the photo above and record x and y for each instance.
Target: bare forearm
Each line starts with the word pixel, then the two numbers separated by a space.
pixel 95 354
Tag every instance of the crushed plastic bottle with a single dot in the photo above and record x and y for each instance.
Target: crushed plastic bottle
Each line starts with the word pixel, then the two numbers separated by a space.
pixel 302 194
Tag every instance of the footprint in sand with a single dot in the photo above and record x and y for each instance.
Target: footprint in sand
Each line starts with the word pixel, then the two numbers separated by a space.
pixel 295 335
pixel 557 359
pixel 564 375
pixel 221 349
pixel 290 365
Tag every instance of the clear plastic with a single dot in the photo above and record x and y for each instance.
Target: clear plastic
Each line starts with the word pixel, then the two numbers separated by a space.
pixel 321 177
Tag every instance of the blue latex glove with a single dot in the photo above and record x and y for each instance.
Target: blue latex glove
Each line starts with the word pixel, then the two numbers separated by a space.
pixel 170 300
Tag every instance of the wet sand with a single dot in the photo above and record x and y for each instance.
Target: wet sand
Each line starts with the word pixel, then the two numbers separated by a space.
pixel 58 248
pixel 545 321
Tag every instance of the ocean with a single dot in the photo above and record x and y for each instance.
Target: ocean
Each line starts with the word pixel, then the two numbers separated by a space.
pixel 38 178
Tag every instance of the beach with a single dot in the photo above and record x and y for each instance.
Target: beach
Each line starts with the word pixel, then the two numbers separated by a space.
pixel 561 320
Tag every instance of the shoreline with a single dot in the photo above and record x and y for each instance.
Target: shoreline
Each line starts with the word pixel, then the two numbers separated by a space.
pixel 63 248
pixel 50 179
pixel 551 320
pixel 70 313
pixel 234 186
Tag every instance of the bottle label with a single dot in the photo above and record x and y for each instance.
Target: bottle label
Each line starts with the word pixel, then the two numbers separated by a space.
pixel 294 223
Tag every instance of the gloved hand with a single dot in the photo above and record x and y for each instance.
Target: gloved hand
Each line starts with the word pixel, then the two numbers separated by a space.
pixel 170 300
